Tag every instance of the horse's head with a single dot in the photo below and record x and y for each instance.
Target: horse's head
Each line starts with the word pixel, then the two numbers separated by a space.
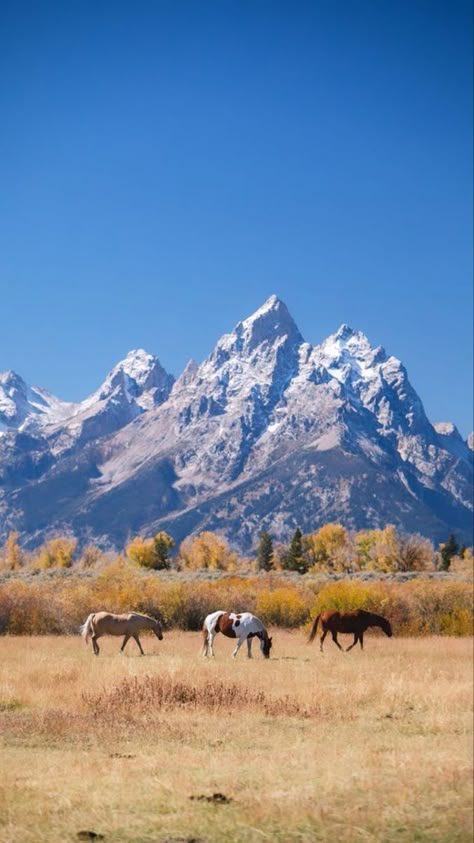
pixel 266 646
pixel 385 625
pixel 157 629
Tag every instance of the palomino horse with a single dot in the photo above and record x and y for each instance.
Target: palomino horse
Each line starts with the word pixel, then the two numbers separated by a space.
pixel 352 622
pixel 128 625
pixel 243 626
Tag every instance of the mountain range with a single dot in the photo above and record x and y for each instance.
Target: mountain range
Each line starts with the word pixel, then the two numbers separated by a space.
pixel 269 432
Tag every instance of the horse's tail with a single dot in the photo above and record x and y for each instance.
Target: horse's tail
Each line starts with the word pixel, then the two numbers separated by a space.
pixel 312 634
pixel 86 628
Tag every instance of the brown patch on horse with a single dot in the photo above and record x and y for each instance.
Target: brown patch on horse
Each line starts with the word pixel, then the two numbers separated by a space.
pixel 224 624
pixel 237 622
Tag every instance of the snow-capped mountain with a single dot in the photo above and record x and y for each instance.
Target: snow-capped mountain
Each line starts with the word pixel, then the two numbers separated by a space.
pixel 133 386
pixel 269 432
pixel 23 407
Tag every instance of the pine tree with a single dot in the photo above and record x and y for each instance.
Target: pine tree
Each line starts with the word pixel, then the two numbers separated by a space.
pixel 265 552
pixel 163 544
pixel 447 550
pixel 294 559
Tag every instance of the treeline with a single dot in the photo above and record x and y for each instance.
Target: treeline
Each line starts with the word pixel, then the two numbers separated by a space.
pixel 330 549
pixel 39 605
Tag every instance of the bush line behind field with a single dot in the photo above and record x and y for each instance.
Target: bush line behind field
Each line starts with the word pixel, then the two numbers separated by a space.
pixel 40 606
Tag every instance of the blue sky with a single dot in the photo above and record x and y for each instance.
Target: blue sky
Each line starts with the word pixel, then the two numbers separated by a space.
pixel 166 166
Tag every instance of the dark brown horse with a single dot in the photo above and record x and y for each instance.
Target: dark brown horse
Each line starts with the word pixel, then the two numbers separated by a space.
pixel 354 623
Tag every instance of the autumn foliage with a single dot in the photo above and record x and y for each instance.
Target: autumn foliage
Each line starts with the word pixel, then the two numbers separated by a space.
pixel 59 604
pixel 53 589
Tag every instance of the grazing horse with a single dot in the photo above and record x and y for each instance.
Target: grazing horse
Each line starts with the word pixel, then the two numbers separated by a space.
pixel 352 622
pixel 128 625
pixel 243 626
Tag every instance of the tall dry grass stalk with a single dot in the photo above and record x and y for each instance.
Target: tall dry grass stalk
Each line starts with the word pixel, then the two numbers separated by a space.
pixel 306 747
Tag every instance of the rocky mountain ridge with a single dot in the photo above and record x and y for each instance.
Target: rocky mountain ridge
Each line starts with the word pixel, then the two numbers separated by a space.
pixel 269 432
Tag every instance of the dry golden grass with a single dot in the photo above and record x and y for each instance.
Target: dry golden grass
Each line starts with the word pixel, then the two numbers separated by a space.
pixel 373 746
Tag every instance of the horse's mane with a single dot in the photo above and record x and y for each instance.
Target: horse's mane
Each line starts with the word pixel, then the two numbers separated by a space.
pixel 379 620
pixel 145 617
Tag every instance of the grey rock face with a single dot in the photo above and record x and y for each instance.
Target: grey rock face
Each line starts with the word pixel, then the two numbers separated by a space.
pixel 268 432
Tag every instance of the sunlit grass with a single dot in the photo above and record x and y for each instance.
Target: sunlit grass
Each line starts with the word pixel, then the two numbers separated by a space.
pixel 307 747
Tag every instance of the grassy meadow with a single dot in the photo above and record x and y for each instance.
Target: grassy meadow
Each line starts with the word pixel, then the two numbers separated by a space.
pixel 373 745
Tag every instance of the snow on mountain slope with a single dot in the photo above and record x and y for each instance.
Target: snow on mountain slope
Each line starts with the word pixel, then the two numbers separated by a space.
pixel 264 393
pixel 135 385
pixel 216 449
pixel 217 410
pixel 24 407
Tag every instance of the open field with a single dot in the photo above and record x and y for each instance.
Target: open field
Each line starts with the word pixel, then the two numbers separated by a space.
pixel 308 747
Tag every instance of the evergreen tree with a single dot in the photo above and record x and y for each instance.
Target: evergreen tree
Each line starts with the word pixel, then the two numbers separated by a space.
pixel 163 544
pixel 294 559
pixel 265 552
pixel 447 550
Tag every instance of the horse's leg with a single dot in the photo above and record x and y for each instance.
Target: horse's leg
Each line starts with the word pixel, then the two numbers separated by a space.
pixel 210 644
pixel 361 640
pixel 323 636
pixel 334 638
pixel 95 645
pixel 138 642
pixel 249 648
pixel 205 646
pixel 239 644
pixel 126 638
pixel 356 638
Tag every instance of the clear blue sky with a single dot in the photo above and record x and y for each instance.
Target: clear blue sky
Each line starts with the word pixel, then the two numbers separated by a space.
pixel 166 166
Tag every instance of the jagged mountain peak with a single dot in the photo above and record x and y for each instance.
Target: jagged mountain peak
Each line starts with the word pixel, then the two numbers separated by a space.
pixel 271 324
pixel 344 332
pixel 24 407
pixel 187 376
pixel 137 363
pixel 268 431
pixel 138 372
pixel 350 359
pixel 351 344
pixel 11 378
pixel 271 321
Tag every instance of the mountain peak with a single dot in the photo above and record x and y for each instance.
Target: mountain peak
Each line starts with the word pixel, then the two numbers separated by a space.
pixel 348 346
pixel 344 332
pixel 270 322
pixel 272 306
pixel 11 378
pixel 136 364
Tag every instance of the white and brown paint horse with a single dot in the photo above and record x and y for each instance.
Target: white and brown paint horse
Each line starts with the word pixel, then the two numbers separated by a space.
pixel 128 625
pixel 241 625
